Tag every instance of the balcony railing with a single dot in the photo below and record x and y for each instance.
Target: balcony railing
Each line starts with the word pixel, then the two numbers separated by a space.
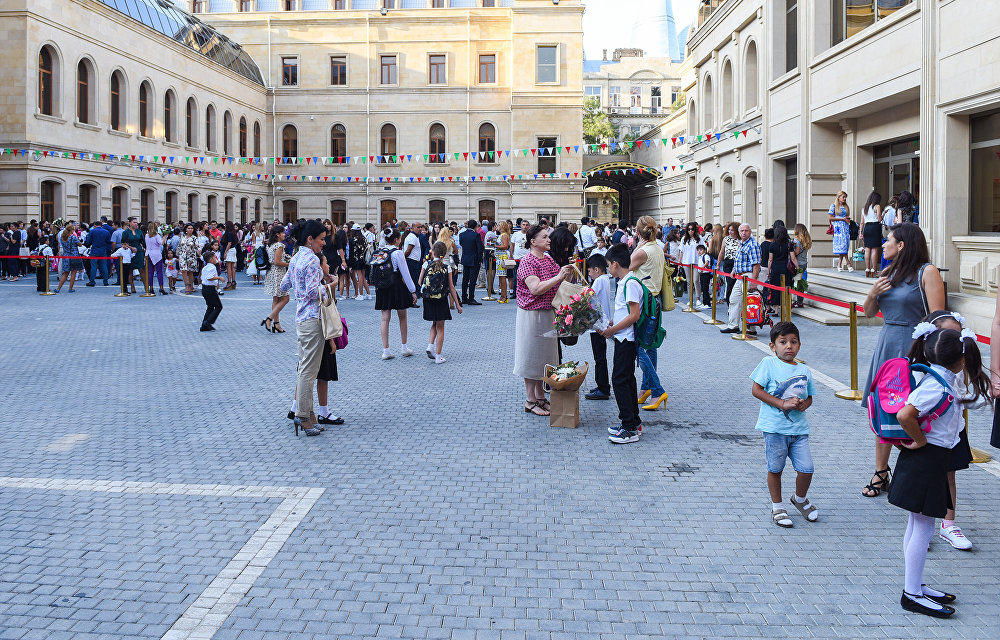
pixel 635 111
pixel 706 8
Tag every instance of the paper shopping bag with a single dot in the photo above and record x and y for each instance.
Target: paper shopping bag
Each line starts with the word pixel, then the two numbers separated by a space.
pixel 564 409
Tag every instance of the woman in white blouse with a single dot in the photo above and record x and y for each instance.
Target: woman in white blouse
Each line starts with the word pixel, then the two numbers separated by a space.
pixel 689 256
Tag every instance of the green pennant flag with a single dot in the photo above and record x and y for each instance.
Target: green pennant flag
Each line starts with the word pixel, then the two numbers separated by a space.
pixel 736 134
pixel 456 156
pixel 215 160
pixel 187 158
pixel 425 157
pixel 365 159
pixel 699 138
pixel 559 150
pixel 664 141
pixel 393 160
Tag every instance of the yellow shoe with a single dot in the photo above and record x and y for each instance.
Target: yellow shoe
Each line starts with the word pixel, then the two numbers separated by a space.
pixel 644 396
pixel 656 405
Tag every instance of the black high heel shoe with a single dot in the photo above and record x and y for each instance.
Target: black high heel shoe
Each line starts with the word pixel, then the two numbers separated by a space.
pixel 264 324
pixel 276 328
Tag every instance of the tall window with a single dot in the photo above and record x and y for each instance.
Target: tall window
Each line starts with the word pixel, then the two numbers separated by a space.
pixel 437 142
pixel 227 133
pixel 146 205
pixel 388 73
pixel 487 139
pixel 388 4
pixel 289 141
pixel 256 210
pixel 727 92
pixel 228 208
pixel 387 140
pixel 592 96
pixel 243 137
pixel 168 116
pixel 487 210
pixel 489 3
pixel 338 212
pixel 339 4
pixel 256 139
pixel 144 119
pixel 338 70
pixel 289 71
pixel 338 143
pixel 189 125
pixel 547 162
pixel 791 190
pixel 545 63
pixel 85 194
pixel 487 68
pixel 852 16
pixel 213 202
pixel 436 69
pixel 83 92
pixel 655 99
pixel 116 101
pixel 985 155
pixel 708 105
pixel 289 211
pixel 750 81
pixel 198 6
pixel 46 81
pixel 244 210
pixel 437 4
pixel 118 203
pixel 692 123
pixel 210 128
pixel 170 207
pixel 614 96
pixel 192 212
pixel 246 5
pixel 289 5
pixel 791 34
pixel 47 213
pixel 436 211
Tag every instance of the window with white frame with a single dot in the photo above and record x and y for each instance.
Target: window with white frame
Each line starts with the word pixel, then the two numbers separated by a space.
pixel 546 63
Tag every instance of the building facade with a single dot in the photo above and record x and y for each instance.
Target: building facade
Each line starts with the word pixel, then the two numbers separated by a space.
pixel 852 95
pixel 308 79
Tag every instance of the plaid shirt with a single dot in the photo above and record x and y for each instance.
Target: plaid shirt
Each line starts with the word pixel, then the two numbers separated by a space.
pixel 747 256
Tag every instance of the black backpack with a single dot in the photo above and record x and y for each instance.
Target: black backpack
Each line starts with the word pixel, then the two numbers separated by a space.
pixel 381 268
pixel 435 281
pixel 261 260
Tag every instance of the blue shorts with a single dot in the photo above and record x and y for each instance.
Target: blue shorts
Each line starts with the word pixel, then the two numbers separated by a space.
pixel 778 447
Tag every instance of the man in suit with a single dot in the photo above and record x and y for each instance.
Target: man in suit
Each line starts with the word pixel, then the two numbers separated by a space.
pixel 472 259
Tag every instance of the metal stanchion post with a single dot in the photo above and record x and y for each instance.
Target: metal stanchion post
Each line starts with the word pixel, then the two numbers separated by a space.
pixel 147 290
pixel 853 393
pixel 491 270
pixel 690 308
pixel 743 314
pixel 715 297
pixel 786 311
pixel 48 290
pixel 121 279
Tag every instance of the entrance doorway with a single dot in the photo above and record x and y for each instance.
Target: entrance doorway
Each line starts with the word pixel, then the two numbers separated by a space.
pixel 388 209
pixel 289 211
pixel 897 168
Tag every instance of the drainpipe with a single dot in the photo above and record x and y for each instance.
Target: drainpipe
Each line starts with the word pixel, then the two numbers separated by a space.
pixel 274 124
pixel 468 110
pixel 368 118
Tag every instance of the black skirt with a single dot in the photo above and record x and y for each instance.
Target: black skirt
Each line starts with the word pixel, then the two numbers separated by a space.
pixel 873 235
pixel 920 481
pixel 436 309
pixel 328 366
pixel 961 453
pixel 394 297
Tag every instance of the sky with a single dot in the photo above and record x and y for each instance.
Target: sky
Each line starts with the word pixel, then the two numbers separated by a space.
pixel 607 24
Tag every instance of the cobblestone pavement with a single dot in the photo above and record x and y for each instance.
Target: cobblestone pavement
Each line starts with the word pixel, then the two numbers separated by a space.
pixel 151 487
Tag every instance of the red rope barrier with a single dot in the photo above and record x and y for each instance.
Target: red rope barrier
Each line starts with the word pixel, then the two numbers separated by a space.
pixel 38 256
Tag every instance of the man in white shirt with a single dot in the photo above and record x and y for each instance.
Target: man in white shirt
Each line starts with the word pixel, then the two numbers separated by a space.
pixel 587 235
pixel 518 239
pixel 628 300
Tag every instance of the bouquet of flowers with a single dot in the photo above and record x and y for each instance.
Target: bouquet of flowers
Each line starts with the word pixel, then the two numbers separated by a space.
pixel 579 316
pixel 565 371
pixel 165 230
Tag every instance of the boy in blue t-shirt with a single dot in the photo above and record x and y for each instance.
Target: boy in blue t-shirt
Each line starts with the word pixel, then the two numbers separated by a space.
pixel 785 390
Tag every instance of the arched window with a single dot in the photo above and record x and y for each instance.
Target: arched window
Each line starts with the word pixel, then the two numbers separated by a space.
pixel 117 104
pixel 227 133
pixel 213 201
pixel 49 192
pixel 190 129
pixel 228 208
pixel 244 207
pixel 436 141
pixel 728 100
pixel 289 141
pixel 487 210
pixel 289 211
pixel 487 140
pixel 119 203
pixel 47 81
pixel 243 137
pixel 706 107
pixel 146 207
pixel 387 140
pixel 145 109
pixel 192 206
pixel 708 204
pixel 170 207
pixel 338 212
pixel 256 210
pixel 338 143
pixel 210 128
pixel 256 139
pixel 726 210
pixel 750 81
pixel 86 201
pixel 169 107
pixel 436 212
pixel 692 123
pixel 84 95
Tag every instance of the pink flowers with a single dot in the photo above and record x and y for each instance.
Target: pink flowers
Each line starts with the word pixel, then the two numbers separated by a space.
pixel 575 298
pixel 569 319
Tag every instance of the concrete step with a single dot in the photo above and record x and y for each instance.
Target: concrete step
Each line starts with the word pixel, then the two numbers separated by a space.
pixel 844 287
pixel 822 316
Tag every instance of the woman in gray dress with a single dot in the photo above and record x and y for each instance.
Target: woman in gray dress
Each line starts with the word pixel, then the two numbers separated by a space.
pixel 906 291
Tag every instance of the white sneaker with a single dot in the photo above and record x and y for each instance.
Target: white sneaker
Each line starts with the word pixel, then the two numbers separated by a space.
pixel 369 296
pixel 850 268
pixel 955 537
pixel 406 353
pixel 359 297
pixel 439 360
pixel 388 355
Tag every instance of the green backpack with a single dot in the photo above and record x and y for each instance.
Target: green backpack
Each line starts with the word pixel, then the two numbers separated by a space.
pixel 649 333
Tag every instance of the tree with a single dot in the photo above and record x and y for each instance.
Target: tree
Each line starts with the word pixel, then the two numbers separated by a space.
pixel 597 127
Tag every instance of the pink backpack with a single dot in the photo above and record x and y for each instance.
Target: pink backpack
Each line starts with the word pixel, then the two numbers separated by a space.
pixel 891 387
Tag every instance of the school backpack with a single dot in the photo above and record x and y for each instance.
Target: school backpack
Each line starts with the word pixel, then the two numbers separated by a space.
pixel 890 389
pixel 649 333
pixel 435 281
pixel 757 314
pixel 261 260
pixel 381 268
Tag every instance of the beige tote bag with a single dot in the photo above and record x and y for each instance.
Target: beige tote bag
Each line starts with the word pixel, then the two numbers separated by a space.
pixel 329 315
pixel 567 290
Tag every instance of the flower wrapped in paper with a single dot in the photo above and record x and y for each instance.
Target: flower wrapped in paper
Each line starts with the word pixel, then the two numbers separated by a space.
pixel 582 314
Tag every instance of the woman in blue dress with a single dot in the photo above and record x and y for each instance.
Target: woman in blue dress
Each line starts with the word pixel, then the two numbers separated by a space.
pixel 840 216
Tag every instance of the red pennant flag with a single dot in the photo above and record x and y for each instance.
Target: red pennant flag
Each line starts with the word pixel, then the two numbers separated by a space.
pixel 449 178
pixel 673 141
pixel 465 156
pixel 533 151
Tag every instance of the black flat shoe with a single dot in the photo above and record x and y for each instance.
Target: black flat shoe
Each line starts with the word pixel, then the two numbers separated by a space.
pixel 334 420
pixel 910 604
pixel 947 598
pixel 729 330
pixel 597 395
pixel 291 415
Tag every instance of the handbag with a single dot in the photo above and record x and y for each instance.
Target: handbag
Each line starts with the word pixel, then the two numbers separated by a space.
pixel 853 229
pixel 567 290
pixel 341 342
pixel 829 230
pixel 329 317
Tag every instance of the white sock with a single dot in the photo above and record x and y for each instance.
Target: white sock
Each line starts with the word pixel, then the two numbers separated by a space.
pixel 430 346
pixel 777 506
pixel 386 352
pixel 323 412
pixel 295 405
pixel 796 498
pixel 932 592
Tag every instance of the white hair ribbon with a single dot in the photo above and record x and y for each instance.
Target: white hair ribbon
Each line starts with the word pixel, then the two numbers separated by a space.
pixel 923 329
pixel 958 317
pixel 968 333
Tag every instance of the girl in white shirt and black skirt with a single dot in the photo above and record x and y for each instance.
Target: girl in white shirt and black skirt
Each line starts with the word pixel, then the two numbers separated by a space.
pixel 398 295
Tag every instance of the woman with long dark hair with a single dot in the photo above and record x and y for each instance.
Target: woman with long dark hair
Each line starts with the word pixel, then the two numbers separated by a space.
pixel 872 233
pixel 780 254
pixel 906 210
pixel 730 245
pixel 397 295
pixel 689 256
pixel 227 246
pixel 272 281
pixel 906 291
pixel 563 244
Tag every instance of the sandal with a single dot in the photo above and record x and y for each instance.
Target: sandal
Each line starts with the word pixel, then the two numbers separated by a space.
pixel 806 508
pixel 781 518
pixel 276 328
pixel 535 408
pixel 544 404
pixel 879 483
